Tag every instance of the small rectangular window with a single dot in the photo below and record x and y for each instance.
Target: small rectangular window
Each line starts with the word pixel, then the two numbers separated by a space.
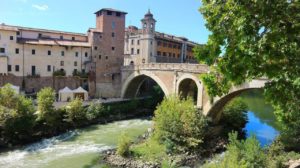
pixel 49 52
pixel 99 56
pixel 33 52
pixel 132 42
pixel 138 42
pixel 9 68
pixel 17 51
pixel 138 51
pixel 86 54
pixel 11 37
pixel 40 35
pixel 75 63
pixel 113 48
pixel 73 38
pixel 17 68
pixel 2 50
pixel 62 53
pixel 106 57
pixel 132 50
pixel 112 34
pixel 95 48
pixel 18 33
pixel 61 63
pixel 118 14
pixel 49 68
pixel 109 12
pixel 76 54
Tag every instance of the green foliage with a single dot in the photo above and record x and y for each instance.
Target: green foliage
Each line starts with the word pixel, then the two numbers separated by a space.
pixel 59 73
pixel 46 112
pixel 252 40
pixel 75 112
pixel 241 154
pixel 235 114
pixel 80 74
pixel 16 115
pixel 150 150
pixel 124 143
pixel 94 111
pixel 179 124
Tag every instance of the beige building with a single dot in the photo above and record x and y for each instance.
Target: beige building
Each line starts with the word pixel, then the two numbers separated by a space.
pixel 146 45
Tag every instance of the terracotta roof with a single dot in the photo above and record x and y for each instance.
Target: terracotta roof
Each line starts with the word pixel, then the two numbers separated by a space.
pixel 55 42
pixel 16 28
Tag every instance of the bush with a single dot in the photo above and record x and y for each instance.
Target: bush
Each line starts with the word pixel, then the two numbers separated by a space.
pixel 94 111
pixel 16 116
pixel 234 115
pixel 179 125
pixel 123 145
pixel 46 112
pixel 242 154
pixel 75 112
pixel 60 72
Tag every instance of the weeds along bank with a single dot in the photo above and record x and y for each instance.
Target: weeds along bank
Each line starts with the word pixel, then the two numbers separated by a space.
pixel 21 122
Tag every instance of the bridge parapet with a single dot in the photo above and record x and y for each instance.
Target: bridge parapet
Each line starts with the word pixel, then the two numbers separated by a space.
pixel 193 68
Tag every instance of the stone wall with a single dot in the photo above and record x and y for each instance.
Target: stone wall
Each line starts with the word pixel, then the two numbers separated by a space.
pixel 37 83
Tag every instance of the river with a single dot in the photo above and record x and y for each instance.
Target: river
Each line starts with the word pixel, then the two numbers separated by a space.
pixel 75 149
pixel 80 148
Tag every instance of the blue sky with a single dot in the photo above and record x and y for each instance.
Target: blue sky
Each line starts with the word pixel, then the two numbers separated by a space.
pixel 178 17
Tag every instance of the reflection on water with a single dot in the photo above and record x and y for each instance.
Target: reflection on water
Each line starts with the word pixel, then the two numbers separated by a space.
pixel 261 119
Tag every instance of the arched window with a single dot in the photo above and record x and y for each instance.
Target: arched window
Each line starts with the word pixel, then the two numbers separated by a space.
pixel 131 63
pixel 145 25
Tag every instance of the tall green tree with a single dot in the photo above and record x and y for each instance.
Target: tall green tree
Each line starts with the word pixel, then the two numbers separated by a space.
pixel 254 39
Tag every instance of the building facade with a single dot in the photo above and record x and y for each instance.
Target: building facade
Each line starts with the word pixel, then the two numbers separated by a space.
pixel 146 45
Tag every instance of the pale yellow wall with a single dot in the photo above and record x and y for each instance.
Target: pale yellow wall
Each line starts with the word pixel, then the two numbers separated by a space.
pixel 41 59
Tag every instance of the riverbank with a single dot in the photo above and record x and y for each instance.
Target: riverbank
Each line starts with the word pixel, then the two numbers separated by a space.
pixel 113 111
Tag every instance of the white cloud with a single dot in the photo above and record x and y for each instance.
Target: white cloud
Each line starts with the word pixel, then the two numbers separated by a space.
pixel 40 7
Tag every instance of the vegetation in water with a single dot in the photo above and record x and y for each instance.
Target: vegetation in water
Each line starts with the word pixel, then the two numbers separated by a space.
pixel 123 145
pixel 251 40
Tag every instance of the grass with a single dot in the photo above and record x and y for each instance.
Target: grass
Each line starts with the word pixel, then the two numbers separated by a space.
pixel 150 150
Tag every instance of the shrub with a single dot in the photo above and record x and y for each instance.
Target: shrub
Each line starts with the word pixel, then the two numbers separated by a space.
pixel 75 112
pixel 60 72
pixel 242 154
pixel 178 124
pixel 124 143
pixel 94 111
pixel 16 115
pixel 46 112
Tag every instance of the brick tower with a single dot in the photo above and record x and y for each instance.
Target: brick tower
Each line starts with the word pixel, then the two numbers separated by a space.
pixel 107 41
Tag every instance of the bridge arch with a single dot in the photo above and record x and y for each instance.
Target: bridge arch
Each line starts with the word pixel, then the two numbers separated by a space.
pixel 133 83
pixel 214 110
pixel 190 85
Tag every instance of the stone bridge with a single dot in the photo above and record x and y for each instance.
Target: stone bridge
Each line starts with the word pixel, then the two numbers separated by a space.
pixel 180 79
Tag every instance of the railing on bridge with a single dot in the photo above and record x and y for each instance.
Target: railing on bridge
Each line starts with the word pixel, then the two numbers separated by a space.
pixel 197 68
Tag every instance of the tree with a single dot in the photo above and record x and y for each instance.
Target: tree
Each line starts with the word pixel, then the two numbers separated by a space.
pixel 16 116
pixel 254 39
pixel 75 112
pixel 46 111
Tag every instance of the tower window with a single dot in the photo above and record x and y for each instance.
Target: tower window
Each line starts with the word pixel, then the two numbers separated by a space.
pixel 113 25
pixel 17 51
pixel 112 34
pixel 95 47
pixel 109 12
pixel 11 37
pixel 113 48
pixel 145 25
pixel 118 14
pixel 99 56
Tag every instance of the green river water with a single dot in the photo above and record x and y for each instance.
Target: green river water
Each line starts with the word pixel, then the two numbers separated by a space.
pixel 81 148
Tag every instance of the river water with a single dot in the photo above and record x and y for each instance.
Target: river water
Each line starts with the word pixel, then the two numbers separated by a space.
pixel 75 149
pixel 80 148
